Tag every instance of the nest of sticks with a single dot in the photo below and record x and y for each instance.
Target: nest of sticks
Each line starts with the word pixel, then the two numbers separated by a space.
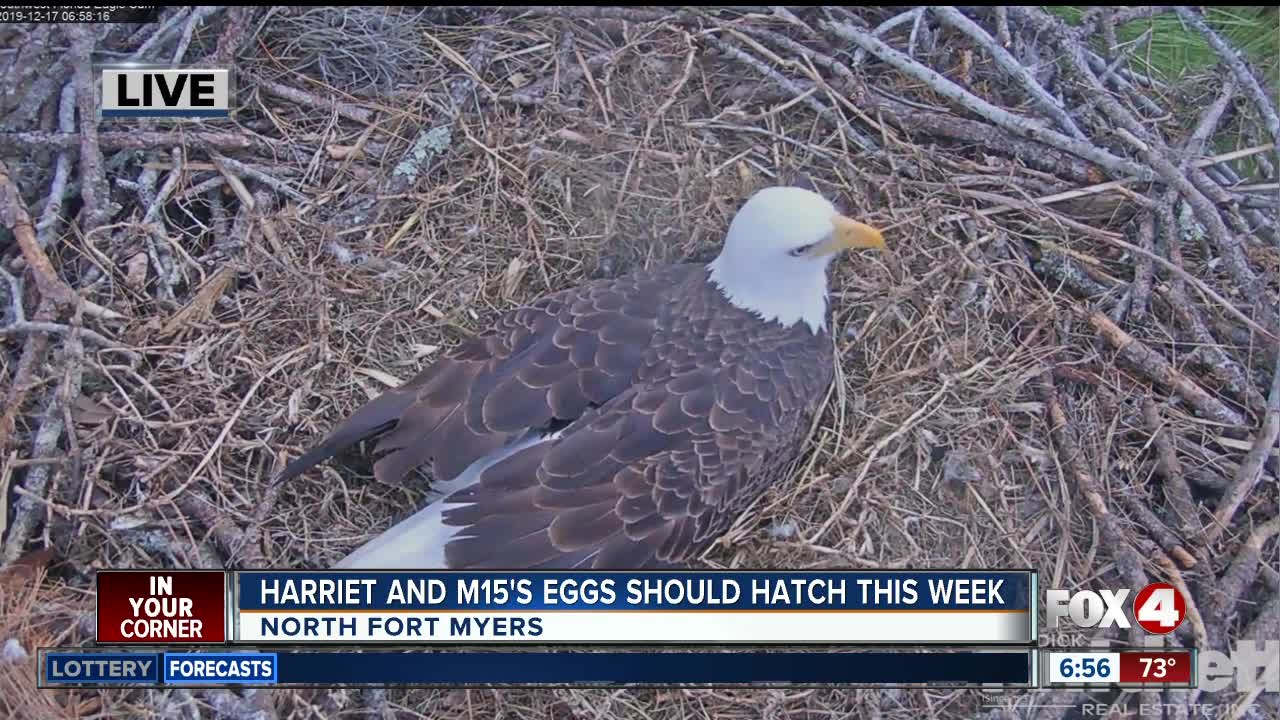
pixel 1067 362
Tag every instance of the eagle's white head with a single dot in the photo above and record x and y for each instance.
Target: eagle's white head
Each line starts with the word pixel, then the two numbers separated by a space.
pixel 775 256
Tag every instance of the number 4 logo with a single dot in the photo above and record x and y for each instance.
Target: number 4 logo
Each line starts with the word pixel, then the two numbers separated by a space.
pixel 1159 608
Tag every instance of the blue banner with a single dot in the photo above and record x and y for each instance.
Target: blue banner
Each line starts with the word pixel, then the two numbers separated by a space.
pixel 668 590
pixel 717 669
pixel 220 668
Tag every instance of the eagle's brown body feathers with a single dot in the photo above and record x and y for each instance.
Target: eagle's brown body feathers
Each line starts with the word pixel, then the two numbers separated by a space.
pixel 674 410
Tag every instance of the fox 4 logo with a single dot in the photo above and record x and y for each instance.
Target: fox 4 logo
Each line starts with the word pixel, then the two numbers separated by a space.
pixel 1158 608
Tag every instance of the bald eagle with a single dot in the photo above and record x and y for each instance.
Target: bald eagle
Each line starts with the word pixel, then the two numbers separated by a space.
pixel 624 423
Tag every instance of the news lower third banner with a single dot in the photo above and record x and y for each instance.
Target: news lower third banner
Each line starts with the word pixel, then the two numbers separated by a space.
pixel 633 607
pixel 933 607
pixel 985 667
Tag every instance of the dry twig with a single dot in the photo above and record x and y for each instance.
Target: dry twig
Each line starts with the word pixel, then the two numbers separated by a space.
pixel 1073 464
pixel 1250 471
pixel 1177 493
pixel 93 186
pixel 1155 367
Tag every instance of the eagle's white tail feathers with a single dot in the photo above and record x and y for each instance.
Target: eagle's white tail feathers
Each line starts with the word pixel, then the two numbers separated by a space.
pixel 418 541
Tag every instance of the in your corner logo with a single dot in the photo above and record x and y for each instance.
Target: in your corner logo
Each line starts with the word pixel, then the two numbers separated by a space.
pixel 135 91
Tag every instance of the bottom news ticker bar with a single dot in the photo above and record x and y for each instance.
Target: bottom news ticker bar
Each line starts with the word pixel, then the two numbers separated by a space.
pixel 102 668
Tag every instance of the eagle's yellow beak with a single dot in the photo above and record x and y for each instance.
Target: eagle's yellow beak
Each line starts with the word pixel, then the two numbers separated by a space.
pixel 850 234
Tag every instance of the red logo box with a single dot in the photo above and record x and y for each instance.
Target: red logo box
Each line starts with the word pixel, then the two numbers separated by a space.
pixel 162 607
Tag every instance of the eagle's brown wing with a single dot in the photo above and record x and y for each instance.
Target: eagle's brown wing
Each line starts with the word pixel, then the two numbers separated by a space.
pixel 549 361
pixel 651 478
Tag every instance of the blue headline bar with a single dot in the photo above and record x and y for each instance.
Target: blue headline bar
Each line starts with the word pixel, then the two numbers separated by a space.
pixel 602 590
pixel 996 667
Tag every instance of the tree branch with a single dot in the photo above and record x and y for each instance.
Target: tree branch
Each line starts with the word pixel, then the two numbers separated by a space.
pixel 1010 65
pixel 1017 124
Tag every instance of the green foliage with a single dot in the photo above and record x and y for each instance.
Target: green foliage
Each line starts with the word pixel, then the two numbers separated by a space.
pixel 1174 50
